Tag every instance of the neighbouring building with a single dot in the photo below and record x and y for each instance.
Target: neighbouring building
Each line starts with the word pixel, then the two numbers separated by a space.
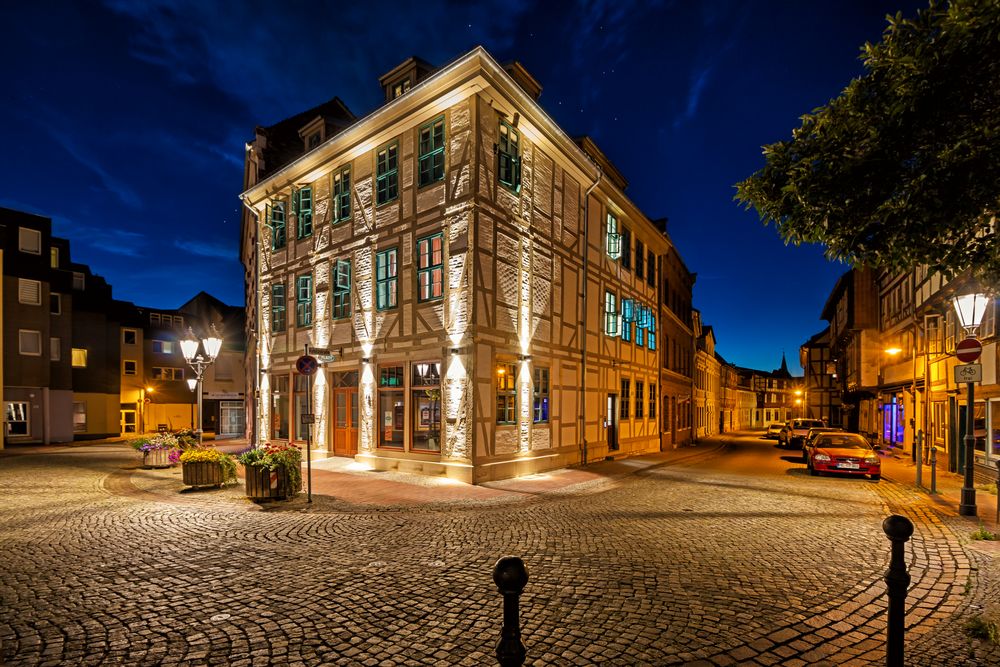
pixel 484 296
pixel 821 395
pixel 707 386
pixel 779 394
pixel 59 351
pixel 676 348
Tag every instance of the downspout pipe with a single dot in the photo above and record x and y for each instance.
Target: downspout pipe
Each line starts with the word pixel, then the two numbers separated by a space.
pixel 583 317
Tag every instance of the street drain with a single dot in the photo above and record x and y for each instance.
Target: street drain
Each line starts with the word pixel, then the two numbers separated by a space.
pixel 220 617
pixel 436 563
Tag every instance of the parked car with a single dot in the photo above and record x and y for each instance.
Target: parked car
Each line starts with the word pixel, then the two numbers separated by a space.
pixel 847 453
pixel 811 436
pixel 798 428
pixel 772 431
pixel 786 428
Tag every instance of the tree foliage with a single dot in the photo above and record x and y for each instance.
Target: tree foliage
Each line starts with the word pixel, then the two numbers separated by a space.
pixel 903 168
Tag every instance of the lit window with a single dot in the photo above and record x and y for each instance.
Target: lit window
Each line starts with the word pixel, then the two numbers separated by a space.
pixel 540 391
pixel 651 331
pixel 614 239
pixel 387 174
pixel 610 314
pixel 303 301
pixel 129 367
pixel 79 357
pixel 506 394
pixel 509 157
pixel 29 343
pixel 385 279
pixel 426 406
pixel 342 195
pixel 276 218
pixel 163 346
pixel 29 240
pixel 400 88
pixel 54 258
pixel 430 268
pixel 628 317
pixel 431 161
pixel 303 212
pixel 277 308
pixel 392 408
pixel 341 289
pixel 29 292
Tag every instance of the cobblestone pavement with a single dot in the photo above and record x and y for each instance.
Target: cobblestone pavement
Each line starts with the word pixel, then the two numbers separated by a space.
pixel 741 558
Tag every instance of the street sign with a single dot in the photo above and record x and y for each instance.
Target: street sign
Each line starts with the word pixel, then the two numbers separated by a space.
pixel 306 364
pixel 308 418
pixel 147 400
pixel 968 373
pixel 968 350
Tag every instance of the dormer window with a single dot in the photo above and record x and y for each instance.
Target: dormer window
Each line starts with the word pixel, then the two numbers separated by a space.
pixel 399 88
pixel 313 141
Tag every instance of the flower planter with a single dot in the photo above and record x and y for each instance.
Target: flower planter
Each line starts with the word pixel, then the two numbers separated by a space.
pixel 202 473
pixel 264 484
pixel 156 458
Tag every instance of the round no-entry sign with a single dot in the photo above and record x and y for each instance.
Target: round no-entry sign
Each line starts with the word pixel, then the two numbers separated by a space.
pixel 968 350
pixel 306 364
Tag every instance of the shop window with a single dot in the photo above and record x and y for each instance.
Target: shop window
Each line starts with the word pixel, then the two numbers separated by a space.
pixel 425 390
pixel 392 409
pixel 279 407
pixel 300 389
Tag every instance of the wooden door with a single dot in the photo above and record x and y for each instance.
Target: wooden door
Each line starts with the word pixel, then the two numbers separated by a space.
pixel 345 421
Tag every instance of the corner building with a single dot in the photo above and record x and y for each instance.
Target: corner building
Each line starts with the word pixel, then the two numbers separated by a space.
pixel 484 293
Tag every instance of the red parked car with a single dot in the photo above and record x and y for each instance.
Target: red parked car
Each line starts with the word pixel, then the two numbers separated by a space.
pixel 843 452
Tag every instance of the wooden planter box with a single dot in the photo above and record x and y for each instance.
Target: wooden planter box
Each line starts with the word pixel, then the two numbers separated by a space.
pixel 156 458
pixel 202 473
pixel 263 484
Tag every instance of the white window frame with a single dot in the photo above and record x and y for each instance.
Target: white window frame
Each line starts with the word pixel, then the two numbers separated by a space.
pixel 26 409
pixel 55 348
pixel 58 300
pixel 129 330
pixel 20 342
pixel 135 367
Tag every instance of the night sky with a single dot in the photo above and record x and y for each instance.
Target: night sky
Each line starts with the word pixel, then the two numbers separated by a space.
pixel 125 122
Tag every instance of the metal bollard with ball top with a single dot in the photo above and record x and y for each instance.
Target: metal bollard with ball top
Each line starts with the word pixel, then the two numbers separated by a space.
pixel 510 576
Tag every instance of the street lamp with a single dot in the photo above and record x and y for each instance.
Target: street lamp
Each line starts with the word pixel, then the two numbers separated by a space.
pixel 198 363
pixel 970 309
pixel 143 400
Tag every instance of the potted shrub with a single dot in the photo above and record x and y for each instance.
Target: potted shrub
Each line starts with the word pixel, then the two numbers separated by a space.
pixel 273 472
pixel 156 449
pixel 207 466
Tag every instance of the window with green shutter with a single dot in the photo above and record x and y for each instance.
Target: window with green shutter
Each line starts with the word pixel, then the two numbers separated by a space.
pixel 387 174
pixel 304 212
pixel 303 301
pixel 431 161
pixel 652 331
pixel 385 279
pixel 509 157
pixel 628 316
pixel 341 289
pixel 430 267
pixel 614 239
pixel 277 222
pixel 342 195
pixel 278 320
pixel 610 314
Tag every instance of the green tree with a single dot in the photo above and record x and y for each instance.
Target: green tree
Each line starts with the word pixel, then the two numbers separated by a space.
pixel 903 168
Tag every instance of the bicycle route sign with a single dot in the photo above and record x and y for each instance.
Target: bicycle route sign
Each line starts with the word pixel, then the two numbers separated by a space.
pixel 306 364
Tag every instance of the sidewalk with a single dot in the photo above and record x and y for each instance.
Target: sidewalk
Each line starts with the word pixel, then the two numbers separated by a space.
pixel 899 467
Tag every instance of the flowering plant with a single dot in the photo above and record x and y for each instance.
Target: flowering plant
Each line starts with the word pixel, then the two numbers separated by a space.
pixel 211 455
pixel 154 442
pixel 274 457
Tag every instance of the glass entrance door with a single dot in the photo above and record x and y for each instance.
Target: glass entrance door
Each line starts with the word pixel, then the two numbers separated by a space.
pixel 232 417
pixel 128 421
pixel 611 419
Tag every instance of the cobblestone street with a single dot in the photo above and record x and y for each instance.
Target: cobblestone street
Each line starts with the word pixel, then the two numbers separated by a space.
pixel 734 557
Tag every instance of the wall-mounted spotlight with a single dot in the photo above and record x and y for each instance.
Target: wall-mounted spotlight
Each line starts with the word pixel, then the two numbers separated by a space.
pixel 456 350
pixel 524 357
pixel 366 360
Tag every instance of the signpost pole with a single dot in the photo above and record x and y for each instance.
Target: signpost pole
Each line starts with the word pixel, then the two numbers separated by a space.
pixel 969 351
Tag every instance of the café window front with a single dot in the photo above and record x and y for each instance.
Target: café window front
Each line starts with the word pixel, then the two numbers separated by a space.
pixel 301 405
pixel 279 407
pixel 392 409
pixel 425 389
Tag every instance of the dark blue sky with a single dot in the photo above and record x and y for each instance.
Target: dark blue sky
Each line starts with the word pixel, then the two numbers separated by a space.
pixel 125 122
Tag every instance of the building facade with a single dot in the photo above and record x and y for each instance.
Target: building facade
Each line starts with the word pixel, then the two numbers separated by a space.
pixel 482 292
pixel 676 349
pixel 821 395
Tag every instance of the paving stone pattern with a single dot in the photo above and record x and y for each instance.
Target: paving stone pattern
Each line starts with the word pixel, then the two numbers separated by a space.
pixel 101 563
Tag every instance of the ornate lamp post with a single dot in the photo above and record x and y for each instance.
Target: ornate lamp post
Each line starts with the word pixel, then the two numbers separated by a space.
pixel 970 309
pixel 198 362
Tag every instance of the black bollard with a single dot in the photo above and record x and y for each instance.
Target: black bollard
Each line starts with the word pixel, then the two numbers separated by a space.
pixel 510 576
pixel 898 529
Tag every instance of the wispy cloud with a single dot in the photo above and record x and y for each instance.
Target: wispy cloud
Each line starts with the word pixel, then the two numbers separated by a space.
pixel 207 249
